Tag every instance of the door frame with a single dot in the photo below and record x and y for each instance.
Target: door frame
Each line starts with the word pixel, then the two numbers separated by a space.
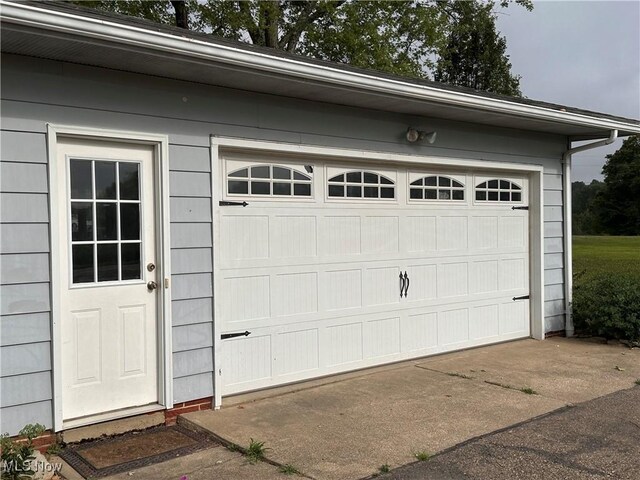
pixel 160 144
pixel 534 173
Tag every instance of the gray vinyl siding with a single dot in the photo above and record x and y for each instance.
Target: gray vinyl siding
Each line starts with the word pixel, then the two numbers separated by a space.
pixel 36 92
pixel 25 303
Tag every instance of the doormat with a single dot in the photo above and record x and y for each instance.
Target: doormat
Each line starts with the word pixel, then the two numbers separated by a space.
pixel 134 450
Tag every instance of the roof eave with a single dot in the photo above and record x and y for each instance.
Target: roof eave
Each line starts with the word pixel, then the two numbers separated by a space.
pixel 134 36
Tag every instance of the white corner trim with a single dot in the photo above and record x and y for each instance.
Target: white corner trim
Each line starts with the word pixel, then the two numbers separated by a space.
pixel 130 35
pixel 161 143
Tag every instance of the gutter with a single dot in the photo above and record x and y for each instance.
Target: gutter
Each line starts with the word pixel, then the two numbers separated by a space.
pixel 131 35
pixel 568 231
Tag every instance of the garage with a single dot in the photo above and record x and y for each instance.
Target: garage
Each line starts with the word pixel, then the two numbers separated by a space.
pixel 326 264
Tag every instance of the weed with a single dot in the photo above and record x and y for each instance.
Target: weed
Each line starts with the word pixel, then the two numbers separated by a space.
pixel 528 391
pixel 256 451
pixel 289 469
pixel 17 456
pixel 638 382
pixel 422 456
pixel 54 449
pixel 232 447
pixel 461 375
pixel 384 468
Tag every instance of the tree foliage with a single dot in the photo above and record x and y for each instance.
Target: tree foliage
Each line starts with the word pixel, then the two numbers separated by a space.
pixel 475 54
pixel 409 38
pixel 611 207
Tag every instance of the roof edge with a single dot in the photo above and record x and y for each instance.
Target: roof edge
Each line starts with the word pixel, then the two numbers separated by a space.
pixel 114 32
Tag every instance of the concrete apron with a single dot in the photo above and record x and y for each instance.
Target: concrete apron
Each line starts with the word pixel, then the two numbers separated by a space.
pixel 349 428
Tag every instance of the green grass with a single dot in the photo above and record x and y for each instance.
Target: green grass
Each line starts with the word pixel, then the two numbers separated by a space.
pixel 289 469
pixel 384 468
pixel 256 451
pixel 596 255
pixel 422 456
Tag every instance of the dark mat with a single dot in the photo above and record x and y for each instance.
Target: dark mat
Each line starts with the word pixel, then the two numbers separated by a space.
pixel 122 453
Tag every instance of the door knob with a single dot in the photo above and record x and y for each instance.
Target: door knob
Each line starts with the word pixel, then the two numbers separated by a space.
pixel 151 285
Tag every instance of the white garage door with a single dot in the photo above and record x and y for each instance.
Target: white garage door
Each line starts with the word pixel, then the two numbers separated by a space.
pixel 332 267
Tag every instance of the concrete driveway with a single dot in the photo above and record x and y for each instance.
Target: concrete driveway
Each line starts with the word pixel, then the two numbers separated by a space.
pixel 351 425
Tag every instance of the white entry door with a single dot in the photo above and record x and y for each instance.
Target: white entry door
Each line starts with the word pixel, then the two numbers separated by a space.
pixel 331 267
pixel 108 308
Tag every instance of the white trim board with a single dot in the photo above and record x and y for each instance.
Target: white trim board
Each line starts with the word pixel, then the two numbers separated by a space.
pixel 534 172
pixel 161 144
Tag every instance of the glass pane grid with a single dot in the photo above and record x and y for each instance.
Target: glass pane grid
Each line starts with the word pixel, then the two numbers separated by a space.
pixel 434 187
pixel 97 220
pixel 364 185
pixel 272 180
pixel 498 191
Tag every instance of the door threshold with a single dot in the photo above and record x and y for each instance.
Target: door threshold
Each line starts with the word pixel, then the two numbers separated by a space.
pixel 112 415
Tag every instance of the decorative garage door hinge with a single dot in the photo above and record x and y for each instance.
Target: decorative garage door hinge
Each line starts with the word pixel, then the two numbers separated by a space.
pixel 523 297
pixel 520 208
pixel 223 203
pixel 224 336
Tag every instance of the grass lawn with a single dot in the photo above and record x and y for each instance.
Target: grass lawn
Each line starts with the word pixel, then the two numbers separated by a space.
pixel 594 255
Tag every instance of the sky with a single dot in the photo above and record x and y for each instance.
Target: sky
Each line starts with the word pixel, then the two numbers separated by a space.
pixel 578 53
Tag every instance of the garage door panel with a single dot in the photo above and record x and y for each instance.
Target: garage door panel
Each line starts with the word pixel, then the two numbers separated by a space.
pixel 452 279
pixel 483 276
pixel 382 337
pixel 316 280
pixel 382 286
pixel 294 293
pixel 293 236
pixel 420 234
pixel 342 289
pixel 244 237
pixel 452 233
pixel 419 332
pixel 380 235
pixel 340 235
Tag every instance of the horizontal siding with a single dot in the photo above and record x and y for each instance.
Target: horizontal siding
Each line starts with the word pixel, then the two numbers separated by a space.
pixel 25 328
pixel 553 229
pixel 552 198
pixel 553 308
pixel 191 235
pixel 554 323
pixel 24 238
pixel 14 418
pixel 553 260
pixel 552 181
pixel 191 260
pixel 189 159
pixel 190 210
pixel 192 337
pixel 552 214
pixel 23 177
pixel 553 245
pixel 192 362
pixel 25 358
pixel 193 387
pixel 185 312
pixel 554 292
pixel 23 146
pixel 196 285
pixel 24 268
pixel 554 277
pixel 24 298
pixel 12 391
pixel 24 208
pixel 190 184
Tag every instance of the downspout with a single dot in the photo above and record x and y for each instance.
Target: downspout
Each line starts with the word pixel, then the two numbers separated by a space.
pixel 566 220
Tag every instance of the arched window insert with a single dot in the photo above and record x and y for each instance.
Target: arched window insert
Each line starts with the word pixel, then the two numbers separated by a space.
pixel 361 184
pixel 435 187
pixel 498 190
pixel 272 180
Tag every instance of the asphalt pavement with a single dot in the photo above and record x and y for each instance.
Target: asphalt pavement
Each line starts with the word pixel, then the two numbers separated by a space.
pixel 597 439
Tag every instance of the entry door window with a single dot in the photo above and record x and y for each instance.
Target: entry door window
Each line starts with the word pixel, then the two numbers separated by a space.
pixel 105 221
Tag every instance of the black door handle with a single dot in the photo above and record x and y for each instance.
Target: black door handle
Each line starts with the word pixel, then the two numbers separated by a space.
pixel 406 287
pixel 401 284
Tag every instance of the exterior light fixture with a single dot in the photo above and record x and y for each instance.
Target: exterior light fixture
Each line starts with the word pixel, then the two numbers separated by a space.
pixel 414 136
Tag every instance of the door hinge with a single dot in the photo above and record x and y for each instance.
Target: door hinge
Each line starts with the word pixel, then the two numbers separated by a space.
pixel 224 203
pixel 224 336
pixel 520 208
pixel 523 297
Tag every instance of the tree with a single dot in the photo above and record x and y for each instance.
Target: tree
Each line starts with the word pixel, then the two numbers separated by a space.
pixel 399 37
pixel 475 55
pixel 585 215
pixel 619 201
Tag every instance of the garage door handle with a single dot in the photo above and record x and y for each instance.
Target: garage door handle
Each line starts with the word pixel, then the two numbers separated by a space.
pixel 523 297
pixel 401 284
pixel 406 286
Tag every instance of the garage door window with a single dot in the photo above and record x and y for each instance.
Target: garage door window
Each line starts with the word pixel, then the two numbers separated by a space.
pixel 361 184
pixel 269 180
pixel 498 190
pixel 436 187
